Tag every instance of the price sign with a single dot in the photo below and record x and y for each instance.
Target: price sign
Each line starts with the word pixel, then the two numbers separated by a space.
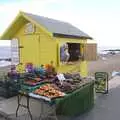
pixel 101 82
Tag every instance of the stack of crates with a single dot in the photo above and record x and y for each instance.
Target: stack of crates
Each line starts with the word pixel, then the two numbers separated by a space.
pixel 9 88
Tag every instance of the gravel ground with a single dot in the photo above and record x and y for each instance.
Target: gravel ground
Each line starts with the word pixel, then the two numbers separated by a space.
pixel 107 107
pixel 108 63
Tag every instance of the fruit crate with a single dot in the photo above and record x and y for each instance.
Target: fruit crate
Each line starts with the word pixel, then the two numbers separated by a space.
pixel 27 88
pixel 9 89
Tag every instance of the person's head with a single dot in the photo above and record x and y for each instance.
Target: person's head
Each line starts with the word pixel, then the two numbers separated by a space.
pixel 65 46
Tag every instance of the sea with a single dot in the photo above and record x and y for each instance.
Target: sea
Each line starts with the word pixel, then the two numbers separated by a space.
pixel 101 49
pixel 5 53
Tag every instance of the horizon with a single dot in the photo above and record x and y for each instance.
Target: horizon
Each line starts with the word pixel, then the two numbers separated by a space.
pixel 98 47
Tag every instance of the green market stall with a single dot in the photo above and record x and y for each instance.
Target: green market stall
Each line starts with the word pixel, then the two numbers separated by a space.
pixel 72 95
pixel 77 102
pixel 72 104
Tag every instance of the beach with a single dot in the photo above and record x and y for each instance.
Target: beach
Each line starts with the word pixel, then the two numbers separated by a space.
pixel 105 63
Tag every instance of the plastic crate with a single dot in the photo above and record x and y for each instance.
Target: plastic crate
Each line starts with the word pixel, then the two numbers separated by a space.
pixel 7 93
pixel 9 88
pixel 27 88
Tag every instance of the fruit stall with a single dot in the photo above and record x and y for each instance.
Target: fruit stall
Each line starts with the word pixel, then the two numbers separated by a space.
pixel 71 93
pixel 50 59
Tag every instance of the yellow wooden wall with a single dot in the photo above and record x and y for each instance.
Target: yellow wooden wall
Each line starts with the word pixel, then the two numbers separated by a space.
pixel 80 66
pixel 41 48
pixel 30 50
pixel 48 50
pixel 38 47
pixel 29 44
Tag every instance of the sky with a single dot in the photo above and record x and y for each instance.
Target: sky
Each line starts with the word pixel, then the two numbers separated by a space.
pixel 98 18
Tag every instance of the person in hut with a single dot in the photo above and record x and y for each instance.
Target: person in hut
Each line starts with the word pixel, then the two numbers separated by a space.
pixel 64 53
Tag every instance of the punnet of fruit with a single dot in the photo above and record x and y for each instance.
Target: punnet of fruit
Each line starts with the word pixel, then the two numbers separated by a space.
pixel 50 91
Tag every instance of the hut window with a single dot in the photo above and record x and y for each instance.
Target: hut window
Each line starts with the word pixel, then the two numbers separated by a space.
pixel 70 52
pixel 29 28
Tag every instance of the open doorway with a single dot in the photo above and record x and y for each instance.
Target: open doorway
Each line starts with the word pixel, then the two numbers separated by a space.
pixel 74 51
pixel 70 52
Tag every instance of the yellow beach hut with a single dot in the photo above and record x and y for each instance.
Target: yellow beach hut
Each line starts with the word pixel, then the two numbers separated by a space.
pixel 39 40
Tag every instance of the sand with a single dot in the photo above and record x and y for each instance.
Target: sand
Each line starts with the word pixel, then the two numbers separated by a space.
pixel 106 63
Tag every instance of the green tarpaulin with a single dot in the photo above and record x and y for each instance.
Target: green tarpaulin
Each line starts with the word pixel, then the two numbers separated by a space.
pixel 77 102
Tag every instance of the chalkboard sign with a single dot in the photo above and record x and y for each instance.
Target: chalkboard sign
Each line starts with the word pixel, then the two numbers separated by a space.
pixel 101 82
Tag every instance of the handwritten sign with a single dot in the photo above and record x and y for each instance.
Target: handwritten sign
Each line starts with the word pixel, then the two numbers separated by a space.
pixel 101 83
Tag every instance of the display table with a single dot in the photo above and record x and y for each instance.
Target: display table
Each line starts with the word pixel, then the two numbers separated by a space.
pixel 77 102
pixel 72 104
pixel 49 113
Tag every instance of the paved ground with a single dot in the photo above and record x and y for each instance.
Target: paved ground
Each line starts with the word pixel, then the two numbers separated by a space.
pixel 107 107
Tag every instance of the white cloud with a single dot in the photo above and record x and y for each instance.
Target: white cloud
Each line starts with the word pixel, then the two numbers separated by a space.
pixel 9 11
pixel 101 24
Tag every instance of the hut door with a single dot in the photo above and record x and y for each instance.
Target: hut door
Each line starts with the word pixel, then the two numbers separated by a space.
pixel 14 51
pixel 90 52
pixel 30 49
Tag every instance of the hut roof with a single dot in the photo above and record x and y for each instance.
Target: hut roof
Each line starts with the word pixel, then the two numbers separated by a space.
pixel 55 27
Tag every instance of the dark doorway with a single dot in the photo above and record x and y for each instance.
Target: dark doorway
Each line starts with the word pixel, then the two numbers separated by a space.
pixel 74 51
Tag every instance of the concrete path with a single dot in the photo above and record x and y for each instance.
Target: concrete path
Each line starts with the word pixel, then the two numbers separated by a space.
pixel 107 107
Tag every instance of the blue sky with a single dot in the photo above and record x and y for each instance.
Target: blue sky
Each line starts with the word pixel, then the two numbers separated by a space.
pixel 99 18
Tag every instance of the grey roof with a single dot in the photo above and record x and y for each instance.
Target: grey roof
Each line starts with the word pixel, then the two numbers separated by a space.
pixel 58 27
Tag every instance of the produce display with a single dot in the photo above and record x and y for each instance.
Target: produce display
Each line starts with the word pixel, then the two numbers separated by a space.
pixel 74 76
pixel 71 82
pixel 50 91
pixel 45 81
pixel 32 82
